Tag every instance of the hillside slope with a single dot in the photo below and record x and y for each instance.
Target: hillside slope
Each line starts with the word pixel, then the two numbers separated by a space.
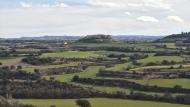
pixel 183 37
pixel 100 38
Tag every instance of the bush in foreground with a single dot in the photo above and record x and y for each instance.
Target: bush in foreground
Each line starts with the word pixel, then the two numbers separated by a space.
pixel 83 103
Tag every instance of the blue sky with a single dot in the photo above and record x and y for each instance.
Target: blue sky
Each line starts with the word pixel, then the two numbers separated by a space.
pixel 82 17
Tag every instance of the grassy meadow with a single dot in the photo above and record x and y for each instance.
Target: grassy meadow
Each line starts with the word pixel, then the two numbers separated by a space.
pixel 31 68
pixel 165 82
pixel 159 59
pixel 11 60
pixel 89 72
pixel 98 102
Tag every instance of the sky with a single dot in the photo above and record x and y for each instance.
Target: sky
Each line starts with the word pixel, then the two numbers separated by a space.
pixel 82 17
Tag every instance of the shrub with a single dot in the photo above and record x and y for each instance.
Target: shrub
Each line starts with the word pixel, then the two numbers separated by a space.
pixel 83 103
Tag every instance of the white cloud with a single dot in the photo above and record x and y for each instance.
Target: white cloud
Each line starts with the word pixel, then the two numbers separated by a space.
pixel 25 5
pixel 103 3
pixel 128 13
pixel 62 5
pixel 44 5
pixel 147 19
pixel 175 19
pixel 29 5
pixel 157 4
pixel 134 5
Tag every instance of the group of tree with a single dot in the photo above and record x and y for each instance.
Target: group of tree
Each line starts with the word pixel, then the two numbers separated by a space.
pixel 164 62
pixel 17 74
pixel 62 70
pixel 118 56
pixel 167 97
pixel 138 56
pixel 5 54
pixel 105 73
pixel 55 90
pixel 129 84
pixel 44 89
pixel 12 103
pixel 33 60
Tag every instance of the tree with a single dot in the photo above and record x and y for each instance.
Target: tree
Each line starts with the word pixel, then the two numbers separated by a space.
pixel 37 71
pixel 19 67
pixel 135 62
pixel 171 67
pixel 181 66
pixel 52 78
pixel 83 103
pixel 75 78
pixel 129 67
pixel 7 88
pixel 12 67
pixel 178 87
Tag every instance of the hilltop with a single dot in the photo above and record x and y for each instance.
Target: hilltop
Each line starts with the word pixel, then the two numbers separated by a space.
pixel 100 38
pixel 183 37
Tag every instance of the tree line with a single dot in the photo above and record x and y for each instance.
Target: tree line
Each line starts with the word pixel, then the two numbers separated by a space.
pixel 130 85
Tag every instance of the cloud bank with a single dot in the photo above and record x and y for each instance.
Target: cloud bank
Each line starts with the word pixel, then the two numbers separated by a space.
pixel 81 17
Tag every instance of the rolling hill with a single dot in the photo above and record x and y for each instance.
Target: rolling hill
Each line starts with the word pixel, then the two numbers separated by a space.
pixel 183 37
pixel 100 38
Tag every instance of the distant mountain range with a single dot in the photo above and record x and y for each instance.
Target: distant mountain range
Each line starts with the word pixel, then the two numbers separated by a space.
pixel 50 38
pixel 74 38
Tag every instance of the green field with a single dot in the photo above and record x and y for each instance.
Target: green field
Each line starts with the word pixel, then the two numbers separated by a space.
pixel 89 72
pixel 160 66
pixel 166 82
pixel 44 67
pixel 138 45
pixel 159 59
pixel 173 46
pixel 170 45
pixel 71 54
pixel 11 60
pixel 104 88
pixel 119 67
pixel 151 58
pixel 99 102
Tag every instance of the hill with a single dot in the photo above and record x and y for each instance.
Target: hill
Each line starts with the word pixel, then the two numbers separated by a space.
pixel 183 37
pixel 100 38
pixel 138 38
